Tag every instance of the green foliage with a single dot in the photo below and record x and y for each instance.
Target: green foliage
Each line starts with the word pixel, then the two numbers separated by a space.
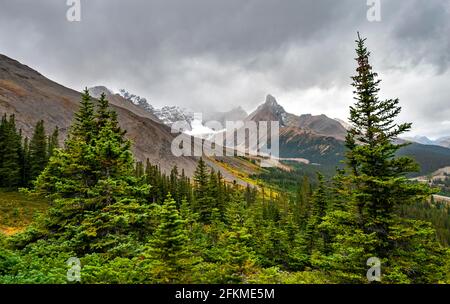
pixel 38 151
pixel 21 160
pixel 168 252
pixel 18 210
pixel 10 153
pixel 130 223
pixel 375 187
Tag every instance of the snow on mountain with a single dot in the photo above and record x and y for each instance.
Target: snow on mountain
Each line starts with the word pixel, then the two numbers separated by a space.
pixel 171 114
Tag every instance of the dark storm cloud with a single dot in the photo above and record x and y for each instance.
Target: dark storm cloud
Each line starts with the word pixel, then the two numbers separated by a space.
pixel 218 54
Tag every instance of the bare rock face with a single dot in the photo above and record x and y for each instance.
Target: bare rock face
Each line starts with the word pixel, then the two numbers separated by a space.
pixel 171 114
pixel 32 97
pixel 321 125
pixel 313 137
pixel 270 110
pixel 117 100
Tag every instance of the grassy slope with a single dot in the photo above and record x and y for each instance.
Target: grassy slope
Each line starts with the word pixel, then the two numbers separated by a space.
pixel 17 210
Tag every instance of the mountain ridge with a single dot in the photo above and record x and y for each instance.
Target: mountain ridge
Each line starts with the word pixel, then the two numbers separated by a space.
pixel 30 96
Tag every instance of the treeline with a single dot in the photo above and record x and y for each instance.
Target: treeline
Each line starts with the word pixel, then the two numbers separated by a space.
pixel 208 192
pixel 21 159
pixel 437 213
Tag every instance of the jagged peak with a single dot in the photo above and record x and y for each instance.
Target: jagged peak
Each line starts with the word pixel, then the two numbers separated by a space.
pixel 271 101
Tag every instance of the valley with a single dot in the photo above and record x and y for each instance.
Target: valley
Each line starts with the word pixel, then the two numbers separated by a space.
pixel 106 189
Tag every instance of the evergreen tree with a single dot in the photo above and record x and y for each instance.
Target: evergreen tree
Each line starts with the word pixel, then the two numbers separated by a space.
pixel 236 240
pixel 10 152
pixel 103 112
pixel 376 186
pixel 38 150
pixel 98 201
pixel 173 184
pixel 201 193
pixel 318 211
pixel 139 171
pixel 168 249
pixel 84 125
pixel 25 164
pixel 53 142
pixel 304 193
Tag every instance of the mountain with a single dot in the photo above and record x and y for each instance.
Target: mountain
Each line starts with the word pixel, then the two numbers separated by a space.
pixel 296 142
pixel 167 114
pixel 442 141
pixel 429 157
pixel 343 123
pixel 32 97
pixel 421 140
pixel 270 110
pixel 316 138
pixel 170 114
pixel 320 139
pixel 118 100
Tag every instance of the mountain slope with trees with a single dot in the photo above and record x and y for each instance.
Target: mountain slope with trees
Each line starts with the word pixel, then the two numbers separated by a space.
pixel 126 222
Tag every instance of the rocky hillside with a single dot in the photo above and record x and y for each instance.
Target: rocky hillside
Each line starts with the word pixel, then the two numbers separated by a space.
pixel 320 139
pixel 317 138
pixel 32 97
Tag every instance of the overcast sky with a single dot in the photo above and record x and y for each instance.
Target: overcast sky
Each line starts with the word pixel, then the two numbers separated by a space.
pixel 218 54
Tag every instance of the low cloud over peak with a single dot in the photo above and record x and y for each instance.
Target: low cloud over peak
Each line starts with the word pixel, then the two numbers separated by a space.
pixel 216 55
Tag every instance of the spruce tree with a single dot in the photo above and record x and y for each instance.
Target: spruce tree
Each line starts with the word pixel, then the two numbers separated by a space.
pixel 303 200
pixel 375 186
pixel 25 164
pixel 236 240
pixel 10 152
pixel 201 193
pixel 53 142
pixel 38 150
pixel 319 203
pixel 97 200
pixel 84 124
pixel 378 175
pixel 139 170
pixel 168 248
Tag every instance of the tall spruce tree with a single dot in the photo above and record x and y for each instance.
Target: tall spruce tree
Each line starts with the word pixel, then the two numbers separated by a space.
pixel 377 174
pixel 201 193
pixel 375 187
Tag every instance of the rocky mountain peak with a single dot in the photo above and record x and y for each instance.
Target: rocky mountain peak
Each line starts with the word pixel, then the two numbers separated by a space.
pixel 271 101
pixel 272 104
pixel 270 110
